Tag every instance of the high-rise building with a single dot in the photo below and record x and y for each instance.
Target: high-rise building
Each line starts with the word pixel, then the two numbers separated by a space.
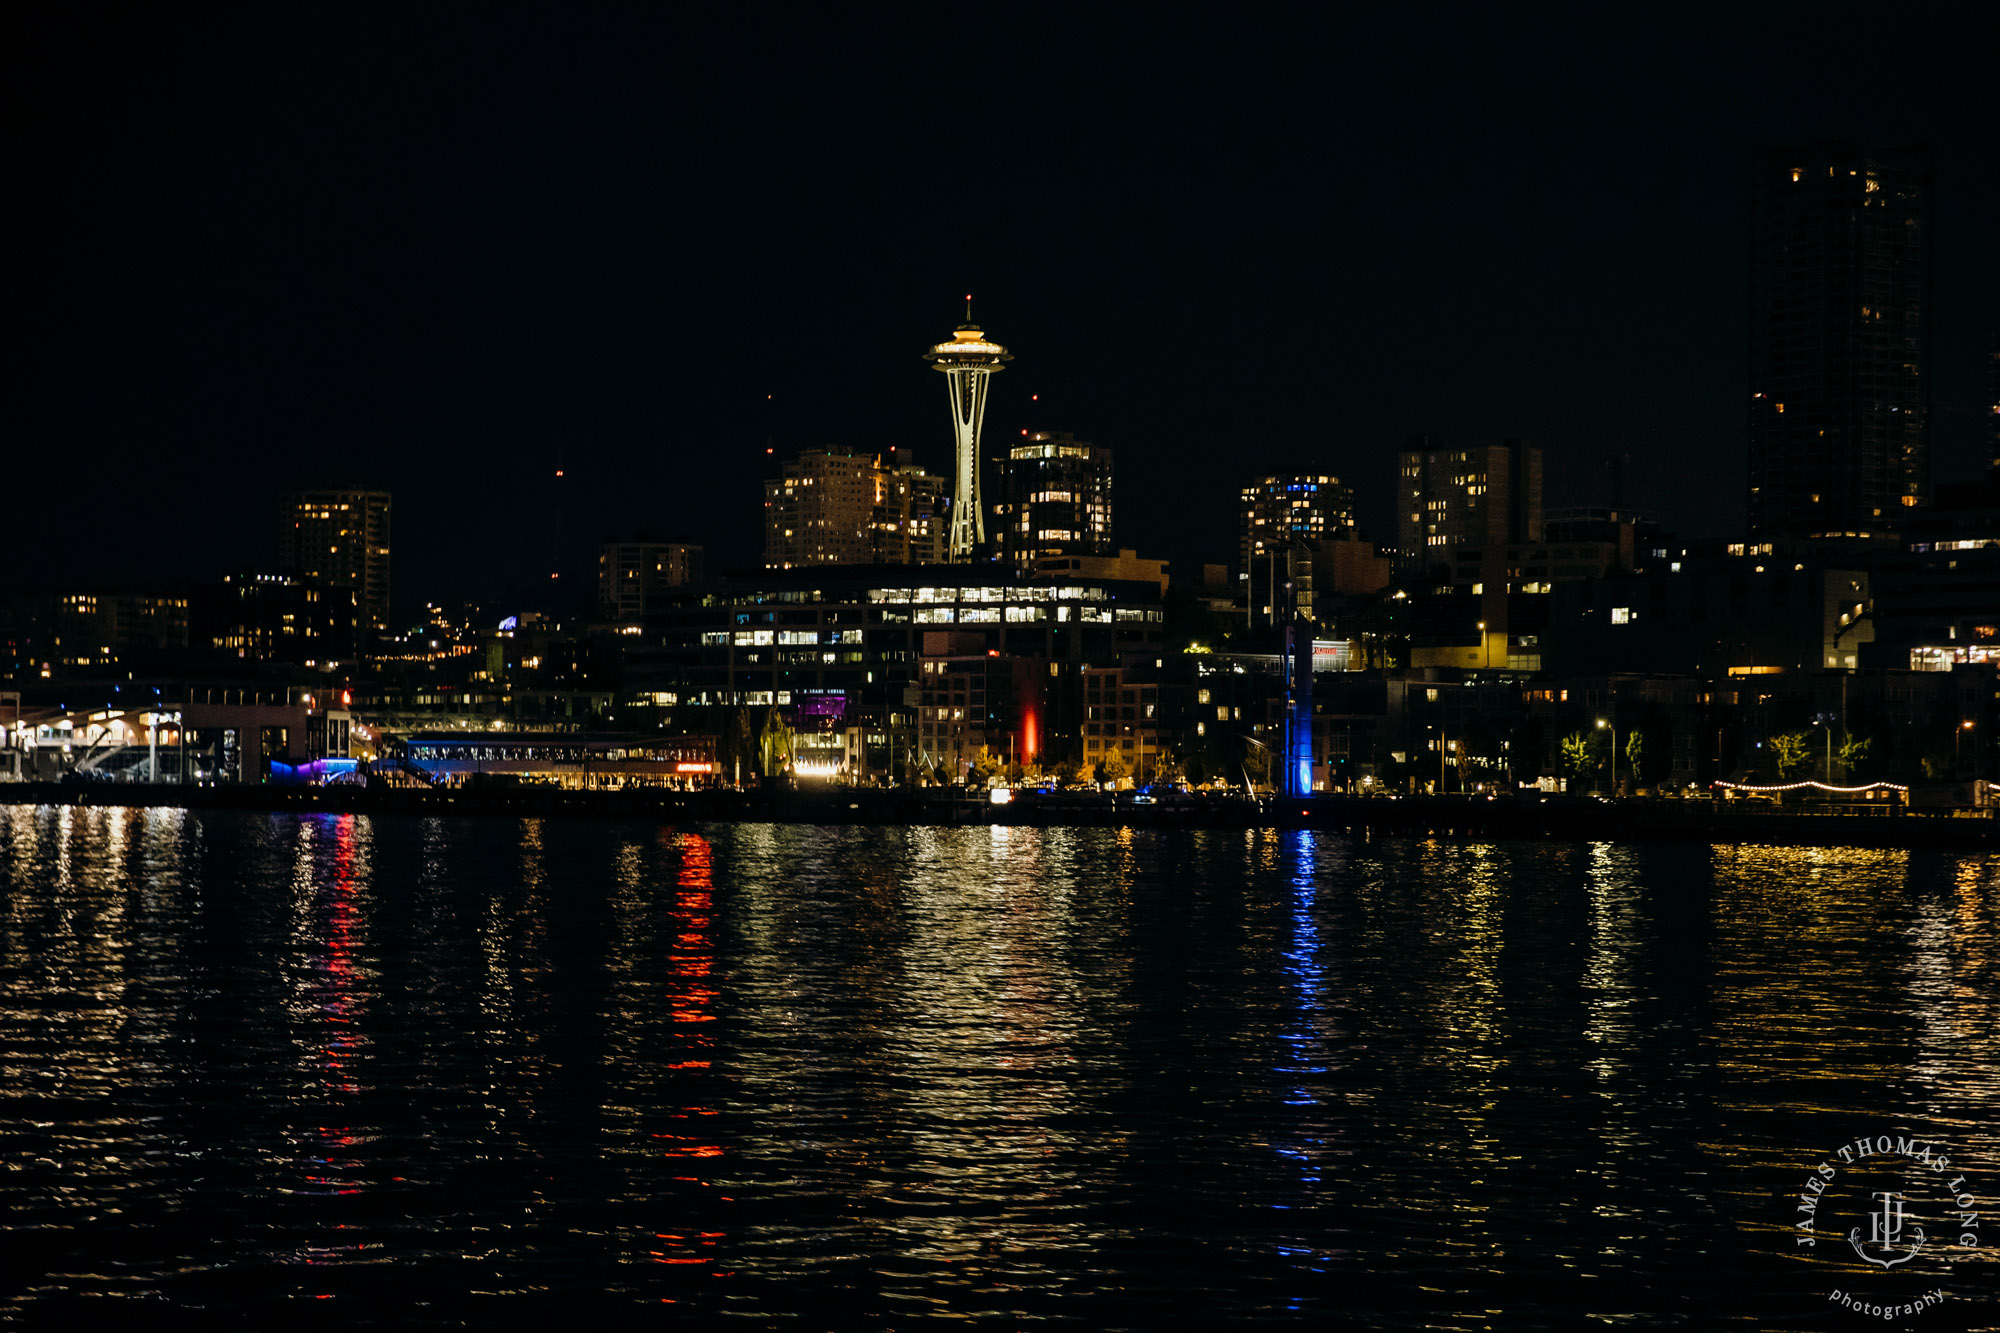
pixel 341 538
pixel 910 519
pixel 1056 499
pixel 1475 495
pixel 628 572
pixel 1278 510
pixel 1280 506
pixel 1840 310
pixel 839 507
pixel 968 362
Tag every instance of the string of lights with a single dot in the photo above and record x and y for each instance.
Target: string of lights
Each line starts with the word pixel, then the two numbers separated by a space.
pixel 1794 786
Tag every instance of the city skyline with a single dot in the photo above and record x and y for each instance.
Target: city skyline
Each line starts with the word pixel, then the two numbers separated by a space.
pixel 336 250
pixel 543 774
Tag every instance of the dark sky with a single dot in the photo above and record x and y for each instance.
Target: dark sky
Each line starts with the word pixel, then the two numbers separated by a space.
pixel 443 251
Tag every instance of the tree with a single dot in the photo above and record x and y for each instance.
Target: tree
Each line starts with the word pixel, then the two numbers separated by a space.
pixel 984 765
pixel 1112 767
pixel 1635 752
pixel 1793 750
pixel 1854 754
pixel 1578 754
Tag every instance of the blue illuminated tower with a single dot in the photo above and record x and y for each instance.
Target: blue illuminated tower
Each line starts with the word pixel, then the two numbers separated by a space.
pixel 1298 756
pixel 967 361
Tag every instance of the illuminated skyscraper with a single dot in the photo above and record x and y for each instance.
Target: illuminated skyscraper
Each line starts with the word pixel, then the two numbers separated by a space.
pixel 1278 510
pixel 1840 390
pixel 1281 507
pixel 341 537
pixel 968 362
pixel 1478 495
pixel 842 507
pixel 1055 498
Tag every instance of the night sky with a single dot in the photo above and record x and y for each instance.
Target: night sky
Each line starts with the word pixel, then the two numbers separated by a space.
pixel 446 252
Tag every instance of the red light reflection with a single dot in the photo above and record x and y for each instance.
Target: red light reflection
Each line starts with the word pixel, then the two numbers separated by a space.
pixel 340 1008
pixel 691 1001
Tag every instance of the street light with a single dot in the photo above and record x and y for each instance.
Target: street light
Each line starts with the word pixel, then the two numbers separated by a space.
pixel 1614 754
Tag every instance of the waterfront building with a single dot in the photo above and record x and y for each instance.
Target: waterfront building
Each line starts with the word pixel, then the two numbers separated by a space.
pixel 576 761
pixel 179 730
pixel 340 538
pixel 972 703
pixel 1123 728
pixel 968 362
pixel 1840 320
pixel 1055 499
pixel 859 634
pixel 628 573
pixel 842 507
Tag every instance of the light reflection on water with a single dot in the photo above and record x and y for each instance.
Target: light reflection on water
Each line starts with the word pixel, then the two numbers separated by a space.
pixel 873 1076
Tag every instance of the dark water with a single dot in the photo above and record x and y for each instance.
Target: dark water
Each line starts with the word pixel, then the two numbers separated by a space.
pixel 264 1071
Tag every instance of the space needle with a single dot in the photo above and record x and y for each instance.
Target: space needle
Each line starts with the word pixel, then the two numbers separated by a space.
pixel 967 361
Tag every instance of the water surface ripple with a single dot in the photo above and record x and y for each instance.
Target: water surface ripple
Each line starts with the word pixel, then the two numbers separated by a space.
pixel 270 1070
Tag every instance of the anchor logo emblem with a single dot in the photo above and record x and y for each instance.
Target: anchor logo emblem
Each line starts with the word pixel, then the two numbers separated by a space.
pixel 1885 1233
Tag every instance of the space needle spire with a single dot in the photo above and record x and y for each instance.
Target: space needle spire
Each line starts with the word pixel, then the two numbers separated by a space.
pixel 967 361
